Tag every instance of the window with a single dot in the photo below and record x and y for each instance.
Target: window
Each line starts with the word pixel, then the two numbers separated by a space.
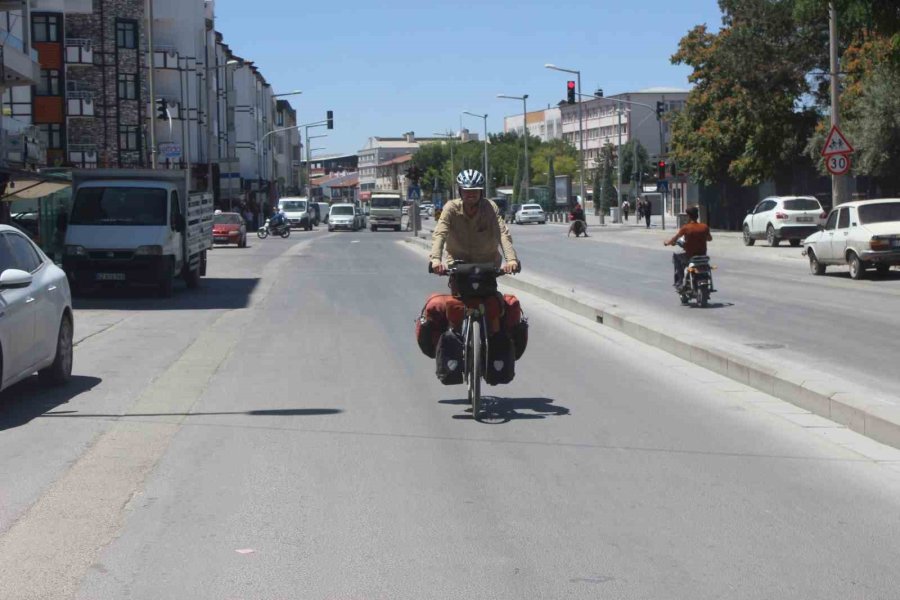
pixel 44 28
pixel 174 211
pixel 52 135
pixel 844 219
pixel 832 220
pixel 127 87
pixel 885 212
pixel 23 253
pixel 128 137
pixel 126 34
pixel 49 83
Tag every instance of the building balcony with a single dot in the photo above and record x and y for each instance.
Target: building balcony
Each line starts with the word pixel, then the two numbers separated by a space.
pixel 19 65
pixel 20 144
pixel 79 51
pixel 80 104
pixel 165 57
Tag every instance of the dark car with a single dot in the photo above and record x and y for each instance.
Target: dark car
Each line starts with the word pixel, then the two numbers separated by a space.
pixel 511 213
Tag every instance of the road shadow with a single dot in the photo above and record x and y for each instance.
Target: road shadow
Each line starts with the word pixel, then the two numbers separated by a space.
pixel 892 275
pixel 710 305
pixel 213 293
pixel 31 399
pixel 274 412
pixel 497 411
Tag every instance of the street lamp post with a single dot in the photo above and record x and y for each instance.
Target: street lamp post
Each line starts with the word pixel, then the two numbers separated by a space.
pixel 524 99
pixel 580 135
pixel 487 179
pixel 309 152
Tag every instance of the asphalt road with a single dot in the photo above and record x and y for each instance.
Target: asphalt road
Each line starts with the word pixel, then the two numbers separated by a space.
pixel 277 434
pixel 767 299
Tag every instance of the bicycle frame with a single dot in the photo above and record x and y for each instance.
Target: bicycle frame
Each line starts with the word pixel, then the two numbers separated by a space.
pixel 471 314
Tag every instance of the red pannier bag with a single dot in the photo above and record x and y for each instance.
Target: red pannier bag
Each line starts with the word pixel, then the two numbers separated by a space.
pixel 516 324
pixel 432 322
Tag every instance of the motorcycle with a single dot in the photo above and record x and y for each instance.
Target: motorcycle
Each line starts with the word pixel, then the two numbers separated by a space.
pixel 284 230
pixel 697 283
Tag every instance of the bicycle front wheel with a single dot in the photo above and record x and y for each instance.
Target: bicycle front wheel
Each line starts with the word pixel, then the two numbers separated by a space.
pixel 476 366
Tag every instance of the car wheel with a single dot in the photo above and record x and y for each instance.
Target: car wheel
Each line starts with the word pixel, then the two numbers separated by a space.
pixel 748 239
pixel 815 267
pixel 60 371
pixel 795 243
pixel 770 236
pixel 882 269
pixel 857 268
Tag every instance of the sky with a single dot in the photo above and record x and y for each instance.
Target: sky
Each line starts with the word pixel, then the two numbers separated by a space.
pixel 386 67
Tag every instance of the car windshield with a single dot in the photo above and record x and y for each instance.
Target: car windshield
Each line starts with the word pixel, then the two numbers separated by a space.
pixel 293 205
pixel 385 202
pixel 532 207
pixel 342 210
pixel 119 206
pixel 885 212
pixel 802 204
pixel 228 219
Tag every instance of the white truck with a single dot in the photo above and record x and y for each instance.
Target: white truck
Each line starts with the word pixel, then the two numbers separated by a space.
pixel 136 227
pixel 386 210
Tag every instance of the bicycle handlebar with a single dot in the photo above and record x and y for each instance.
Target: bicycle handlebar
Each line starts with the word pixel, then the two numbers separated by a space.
pixel 454 269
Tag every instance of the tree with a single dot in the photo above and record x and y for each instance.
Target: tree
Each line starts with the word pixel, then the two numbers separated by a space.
pixel 597 191
pixel 643 161
pixel 551 182
pixel 741 119
pixel 609 194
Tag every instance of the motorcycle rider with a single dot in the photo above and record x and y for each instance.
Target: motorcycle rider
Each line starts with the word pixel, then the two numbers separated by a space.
pixel 279 218
pixel 579 225
pixel 695 235
pixel 471 229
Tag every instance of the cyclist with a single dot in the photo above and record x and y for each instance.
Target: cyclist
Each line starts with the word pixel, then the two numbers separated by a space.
pixel 471 229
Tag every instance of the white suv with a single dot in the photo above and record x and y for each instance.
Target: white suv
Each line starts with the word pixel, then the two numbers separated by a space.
pixel 777 218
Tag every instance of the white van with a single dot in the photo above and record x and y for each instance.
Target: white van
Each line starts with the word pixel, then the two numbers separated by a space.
pixel 297 212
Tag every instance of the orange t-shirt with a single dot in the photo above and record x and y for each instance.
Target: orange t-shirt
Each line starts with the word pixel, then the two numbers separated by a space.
pixel 695 237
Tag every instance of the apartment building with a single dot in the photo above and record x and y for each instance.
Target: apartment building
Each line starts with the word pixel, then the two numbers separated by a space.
pixel 376 159
pixel 287 149
pixel 543 124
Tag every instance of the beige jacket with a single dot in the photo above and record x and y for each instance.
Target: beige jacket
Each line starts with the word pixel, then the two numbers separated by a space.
pixel 472 239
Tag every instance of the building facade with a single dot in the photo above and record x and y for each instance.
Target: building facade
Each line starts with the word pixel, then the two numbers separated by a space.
pixel 543 124
pixel 287 149
pixel 378 153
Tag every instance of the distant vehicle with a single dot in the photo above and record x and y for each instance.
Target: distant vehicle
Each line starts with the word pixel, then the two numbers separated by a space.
pixel 777 218
pixel 386 210
pixel 343 216
pixel 511 213
pixel 426 210
pixel 324 209
pixel 531 213
pixel 36 330
pixel 298 212
pixel 229 228
pixel 861 235
pixel 136 226
pixel 360 216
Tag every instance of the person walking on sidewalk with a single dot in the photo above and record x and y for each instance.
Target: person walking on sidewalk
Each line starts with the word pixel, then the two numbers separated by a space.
pixel 638 209
pixel 625 209
pixel 648 210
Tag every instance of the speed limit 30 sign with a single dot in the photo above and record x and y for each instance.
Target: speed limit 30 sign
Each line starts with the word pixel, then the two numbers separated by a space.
pixel 838 164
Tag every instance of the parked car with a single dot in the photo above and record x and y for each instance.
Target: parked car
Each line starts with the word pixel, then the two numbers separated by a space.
pixel 777 218
pixel 426 210
pixel 229 228
pixel 531 213
pixel 36 328
pixel 861 235
pixel 298 212
pixel 324 209
pixel 343 216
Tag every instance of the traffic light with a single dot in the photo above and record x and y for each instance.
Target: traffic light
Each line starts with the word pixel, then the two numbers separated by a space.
pixel 660 110
pixel 661 169
pixel 162 109
pixel 570 91
pixel 599 93
pixel 329 117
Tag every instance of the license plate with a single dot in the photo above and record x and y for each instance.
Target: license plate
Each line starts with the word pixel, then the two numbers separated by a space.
pixel 110 276
pixel 804 219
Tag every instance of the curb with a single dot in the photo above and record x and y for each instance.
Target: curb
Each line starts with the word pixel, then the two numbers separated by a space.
pixel 839 400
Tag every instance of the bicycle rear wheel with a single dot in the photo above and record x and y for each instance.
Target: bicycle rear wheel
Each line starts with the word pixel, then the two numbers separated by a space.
pixel 476 366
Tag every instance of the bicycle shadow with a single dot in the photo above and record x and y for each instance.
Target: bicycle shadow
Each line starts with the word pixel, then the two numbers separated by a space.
pixel 497 411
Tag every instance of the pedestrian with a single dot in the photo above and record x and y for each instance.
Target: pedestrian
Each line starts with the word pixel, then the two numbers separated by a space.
pixel 648 209
pixel 625 208
pixel 639 209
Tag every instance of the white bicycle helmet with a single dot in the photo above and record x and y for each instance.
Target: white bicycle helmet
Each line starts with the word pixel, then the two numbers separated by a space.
pixel 470 179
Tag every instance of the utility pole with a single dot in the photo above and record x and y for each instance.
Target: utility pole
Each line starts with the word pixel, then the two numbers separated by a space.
pixel 150 83
pixel 839 191
pixel 662 152
pixel 619 163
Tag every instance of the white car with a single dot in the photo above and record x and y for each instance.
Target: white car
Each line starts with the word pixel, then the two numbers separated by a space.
pixel 343 216
pixel 861 235
pixel 298 212
pixel 36 322
pixel 777 218
pixel 531 213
